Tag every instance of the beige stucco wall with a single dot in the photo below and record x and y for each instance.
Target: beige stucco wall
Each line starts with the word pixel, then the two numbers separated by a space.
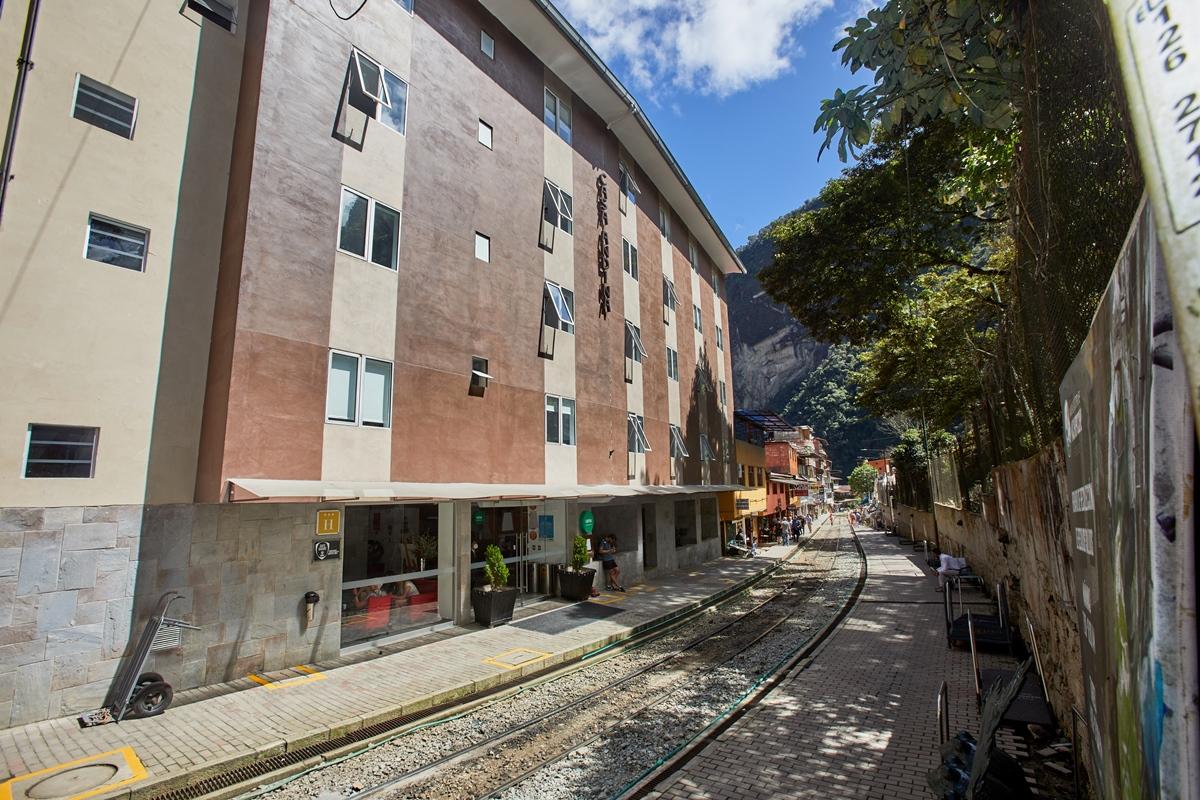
pixel 80 341
pixel 559 266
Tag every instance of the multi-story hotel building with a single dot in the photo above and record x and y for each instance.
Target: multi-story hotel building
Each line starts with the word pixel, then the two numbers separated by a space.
pixel 298 299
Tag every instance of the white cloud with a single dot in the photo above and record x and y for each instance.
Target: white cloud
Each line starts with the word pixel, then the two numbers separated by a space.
pixel 711 46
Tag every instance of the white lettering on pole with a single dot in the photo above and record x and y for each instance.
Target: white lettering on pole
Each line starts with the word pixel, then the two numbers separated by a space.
pixel 1085 541
pixel 1082 498
pixel 1164 37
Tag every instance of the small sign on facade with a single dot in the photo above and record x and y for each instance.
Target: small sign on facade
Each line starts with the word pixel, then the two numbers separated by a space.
pixel 327 549
pixel 329 522
pixel 545 526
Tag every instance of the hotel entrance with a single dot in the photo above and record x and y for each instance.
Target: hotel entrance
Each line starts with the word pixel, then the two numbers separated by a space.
pixel 520 533
pixel 390 571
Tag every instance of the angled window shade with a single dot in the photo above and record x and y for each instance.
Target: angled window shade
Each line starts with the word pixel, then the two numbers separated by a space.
pixel 678 447
pixel 370 79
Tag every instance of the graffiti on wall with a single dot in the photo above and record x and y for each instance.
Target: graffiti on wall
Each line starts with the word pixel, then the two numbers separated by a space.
pixel 1128 434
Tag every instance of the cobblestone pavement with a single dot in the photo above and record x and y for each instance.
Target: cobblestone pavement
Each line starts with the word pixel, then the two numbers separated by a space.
pixel 860 721
pixel 228 728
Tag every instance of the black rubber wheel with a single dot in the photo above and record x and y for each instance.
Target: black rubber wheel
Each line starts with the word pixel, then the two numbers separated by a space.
pixel 149 677
pixel 150 700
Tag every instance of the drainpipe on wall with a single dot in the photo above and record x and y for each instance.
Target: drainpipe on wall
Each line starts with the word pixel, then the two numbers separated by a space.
pixel 24 65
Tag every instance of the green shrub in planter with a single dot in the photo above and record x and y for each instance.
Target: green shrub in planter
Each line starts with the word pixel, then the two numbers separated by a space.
pixel 575 582
pixel 579 555
pixel 494 568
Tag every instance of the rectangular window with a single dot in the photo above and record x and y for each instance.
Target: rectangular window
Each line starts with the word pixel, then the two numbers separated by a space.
pixel 560 420
pixel 693 255
pixel 341 399
pixel 60 451
pixel 377 393
pixel 407 5
pixel 394 114
pixel 636 430
pixel 485 134
pixel 628 188
pixel 629 258
pixel 568 325
pixel 721 391
pixel 672 364
pixel 487 44
pixel 559 311
pixel 479 376
pixel 664 218
pixel 557 115
pixel 104 107
pixel 552 418
pixel 742 474
pixel 557 212
pixel 634 352
pixel 112 242
pixel 697 320
pixel 370 79
pixel 678 447
pixel 706 451
pixel 670 300
pixel 483 247
pixel 720 339
pixel 221 12
pixel 369 229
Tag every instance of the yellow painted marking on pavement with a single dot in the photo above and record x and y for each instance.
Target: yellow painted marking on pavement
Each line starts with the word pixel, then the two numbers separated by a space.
pixel 505 660
pixel 133 767
pixel 604 599
pixel 311 676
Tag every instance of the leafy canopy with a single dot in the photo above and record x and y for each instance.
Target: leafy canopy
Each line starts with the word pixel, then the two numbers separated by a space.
pixel 952 60
pixel 862 480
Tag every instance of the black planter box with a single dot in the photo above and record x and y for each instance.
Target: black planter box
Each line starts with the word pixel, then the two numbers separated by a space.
pixel 493 608
pixel 575 586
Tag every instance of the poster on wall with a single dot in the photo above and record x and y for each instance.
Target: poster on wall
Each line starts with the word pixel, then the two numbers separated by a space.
pixel 1127 431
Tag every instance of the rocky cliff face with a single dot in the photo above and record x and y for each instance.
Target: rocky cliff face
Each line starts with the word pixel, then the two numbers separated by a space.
pixel 772 352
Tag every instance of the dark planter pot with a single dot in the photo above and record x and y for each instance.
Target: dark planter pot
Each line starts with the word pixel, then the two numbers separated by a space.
pixel 493 608
pixel 576 586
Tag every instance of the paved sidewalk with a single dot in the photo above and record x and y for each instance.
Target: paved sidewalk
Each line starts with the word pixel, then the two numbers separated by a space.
pixel 860 721
pixel 222 727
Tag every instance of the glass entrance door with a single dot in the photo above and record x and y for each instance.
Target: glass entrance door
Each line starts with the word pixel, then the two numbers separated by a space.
pixel 511 528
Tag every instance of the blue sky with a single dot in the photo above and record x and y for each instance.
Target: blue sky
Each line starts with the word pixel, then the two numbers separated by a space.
pixel 733 86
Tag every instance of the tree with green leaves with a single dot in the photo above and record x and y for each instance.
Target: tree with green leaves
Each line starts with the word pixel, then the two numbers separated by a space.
pixel 862 480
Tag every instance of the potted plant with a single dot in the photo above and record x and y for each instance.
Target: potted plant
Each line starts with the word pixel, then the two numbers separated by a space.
pixel 427 550
pixel 575 580
pixel 493 603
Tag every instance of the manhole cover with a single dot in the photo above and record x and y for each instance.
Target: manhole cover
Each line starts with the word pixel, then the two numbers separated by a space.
pixel 71 782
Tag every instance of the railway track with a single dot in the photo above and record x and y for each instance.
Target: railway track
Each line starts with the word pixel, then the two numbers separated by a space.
pixel 593 729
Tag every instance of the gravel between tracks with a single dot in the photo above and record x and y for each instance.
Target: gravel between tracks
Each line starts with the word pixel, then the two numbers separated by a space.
pixel 679 699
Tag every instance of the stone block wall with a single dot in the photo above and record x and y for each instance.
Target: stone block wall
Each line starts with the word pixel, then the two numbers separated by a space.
pixel 67 580
pixel 243 571
pixel 77 584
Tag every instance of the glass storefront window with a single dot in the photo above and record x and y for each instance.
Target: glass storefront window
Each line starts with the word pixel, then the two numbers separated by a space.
pixel 389 570
pixel 509 528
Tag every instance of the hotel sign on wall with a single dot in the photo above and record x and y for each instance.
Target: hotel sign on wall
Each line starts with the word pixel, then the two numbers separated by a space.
pixel 329 522
pixel 602 259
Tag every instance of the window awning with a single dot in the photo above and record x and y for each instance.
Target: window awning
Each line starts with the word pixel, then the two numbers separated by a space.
pixel 351 491
pixel 780 477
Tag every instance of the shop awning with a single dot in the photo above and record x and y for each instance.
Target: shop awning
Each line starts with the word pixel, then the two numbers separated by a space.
pixel 780 477
pixel 259 489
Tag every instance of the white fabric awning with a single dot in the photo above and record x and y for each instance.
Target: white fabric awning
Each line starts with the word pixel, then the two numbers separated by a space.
pixel 275 489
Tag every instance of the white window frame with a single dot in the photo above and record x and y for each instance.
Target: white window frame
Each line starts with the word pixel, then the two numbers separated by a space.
pixel 693 255
pixel 479 375
pixel 672 363
pixel 678 445
pixel 664 219
pixel 627 186
pixel 561 414
pixel 558 213
pixel 720 339
pixel 87 241
pixel 407 5
pixel 29 441
pixel 380 95
pixel 484 127
pixel 706 451
pixel 721 388
pixel 638 423
pixel 697 318
pixel 629 258
pixel 403 122
pixel 486 241
pixel 670 299
pixel 487 44
pixel 635 333
pixel 559 125
pixel 359 381
pixel 99 88
pixel 369 241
